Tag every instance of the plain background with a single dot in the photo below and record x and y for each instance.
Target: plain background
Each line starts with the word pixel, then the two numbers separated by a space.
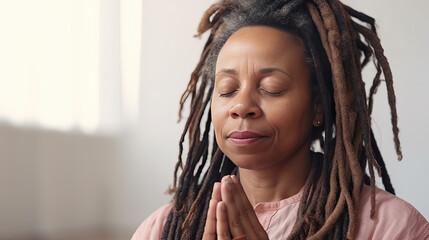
pixel 57 184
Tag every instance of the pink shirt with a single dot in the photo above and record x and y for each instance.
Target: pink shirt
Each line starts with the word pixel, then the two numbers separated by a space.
pixel 394 219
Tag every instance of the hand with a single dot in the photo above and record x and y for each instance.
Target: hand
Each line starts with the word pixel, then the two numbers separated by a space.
pixel 230 213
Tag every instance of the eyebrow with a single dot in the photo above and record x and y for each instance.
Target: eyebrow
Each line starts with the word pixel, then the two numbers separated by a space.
pixel 270 70
pixel 227 70
pixel 262 71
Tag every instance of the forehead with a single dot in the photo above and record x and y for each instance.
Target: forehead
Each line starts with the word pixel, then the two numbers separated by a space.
pixel 266 43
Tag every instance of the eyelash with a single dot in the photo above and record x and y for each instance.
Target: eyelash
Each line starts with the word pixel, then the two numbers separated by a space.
pixel 226 94
pixel 273 94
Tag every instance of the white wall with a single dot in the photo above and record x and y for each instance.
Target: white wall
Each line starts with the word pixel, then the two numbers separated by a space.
pixel 170 52
pixel 54 183
pixel 402 29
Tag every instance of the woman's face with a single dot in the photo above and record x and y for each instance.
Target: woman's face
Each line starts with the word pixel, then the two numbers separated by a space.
pixel 262 110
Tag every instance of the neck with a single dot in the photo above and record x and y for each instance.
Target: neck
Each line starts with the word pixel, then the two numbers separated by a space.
pixel 277 182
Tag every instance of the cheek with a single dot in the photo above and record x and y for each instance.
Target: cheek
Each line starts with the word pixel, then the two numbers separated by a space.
pixel 218 118
pixel 290 118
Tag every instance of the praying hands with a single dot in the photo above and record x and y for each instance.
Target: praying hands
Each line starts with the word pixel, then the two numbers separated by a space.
pixel 230 215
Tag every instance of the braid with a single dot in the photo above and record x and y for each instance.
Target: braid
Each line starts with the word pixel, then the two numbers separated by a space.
pixel 338 47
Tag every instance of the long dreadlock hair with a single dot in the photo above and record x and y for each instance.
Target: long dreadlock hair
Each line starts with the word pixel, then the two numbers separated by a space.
pixel 339 41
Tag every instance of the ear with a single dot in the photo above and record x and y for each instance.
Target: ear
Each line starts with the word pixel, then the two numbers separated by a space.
pixel 317 111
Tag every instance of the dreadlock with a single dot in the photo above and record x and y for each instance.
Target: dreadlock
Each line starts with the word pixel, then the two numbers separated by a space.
pixel 340 41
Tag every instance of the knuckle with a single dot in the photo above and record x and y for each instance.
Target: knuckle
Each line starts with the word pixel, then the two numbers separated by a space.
pixel 224 235
pixel 245 211
pixel 236 222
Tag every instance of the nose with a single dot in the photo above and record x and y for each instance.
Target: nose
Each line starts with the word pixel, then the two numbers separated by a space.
pixel 245 106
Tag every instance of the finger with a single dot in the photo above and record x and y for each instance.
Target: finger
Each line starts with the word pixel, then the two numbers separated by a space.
pixel 216 195
pixel 236 224
pixel 243 205
pixel 222 228
pixel 210 227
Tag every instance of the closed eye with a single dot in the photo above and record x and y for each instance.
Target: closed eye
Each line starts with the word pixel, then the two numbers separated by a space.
pixel 271 93
pixel 228 94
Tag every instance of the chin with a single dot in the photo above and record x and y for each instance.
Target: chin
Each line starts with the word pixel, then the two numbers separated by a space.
pixel 249 161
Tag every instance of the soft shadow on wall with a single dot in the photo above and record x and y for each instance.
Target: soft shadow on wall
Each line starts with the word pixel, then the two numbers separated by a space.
pixel 64 179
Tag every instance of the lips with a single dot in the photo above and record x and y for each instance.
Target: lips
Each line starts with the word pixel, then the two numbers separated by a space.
pixel 244 138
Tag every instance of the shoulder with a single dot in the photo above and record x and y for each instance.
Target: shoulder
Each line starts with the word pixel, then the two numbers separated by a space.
pixel 394 218
pixel 151 228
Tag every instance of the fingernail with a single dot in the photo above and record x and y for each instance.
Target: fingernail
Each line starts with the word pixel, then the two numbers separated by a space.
pixel 226 179
pixel 234 179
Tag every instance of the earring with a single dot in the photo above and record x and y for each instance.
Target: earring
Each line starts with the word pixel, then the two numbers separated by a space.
pixel 318 123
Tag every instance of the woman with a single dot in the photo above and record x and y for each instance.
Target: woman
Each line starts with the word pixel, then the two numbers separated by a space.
pixel 280 81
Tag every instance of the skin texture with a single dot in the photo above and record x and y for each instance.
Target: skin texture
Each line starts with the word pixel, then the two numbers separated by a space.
pixel 262 87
